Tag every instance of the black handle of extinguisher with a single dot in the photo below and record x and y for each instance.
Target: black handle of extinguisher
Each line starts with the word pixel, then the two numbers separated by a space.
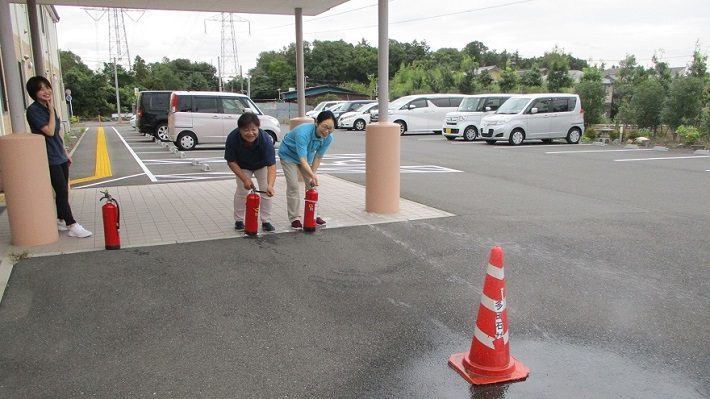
pixel 118 214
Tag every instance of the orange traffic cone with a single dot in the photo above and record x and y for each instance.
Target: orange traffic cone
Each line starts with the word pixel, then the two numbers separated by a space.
pixel 489 360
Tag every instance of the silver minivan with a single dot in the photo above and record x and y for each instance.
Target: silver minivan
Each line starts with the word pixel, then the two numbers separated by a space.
pixel 420 112
pixel 544 116
pixel 203 117
pixel 466 120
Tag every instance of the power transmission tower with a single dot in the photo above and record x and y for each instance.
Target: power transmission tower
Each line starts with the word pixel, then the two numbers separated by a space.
pixel 228 64
pixel 117 40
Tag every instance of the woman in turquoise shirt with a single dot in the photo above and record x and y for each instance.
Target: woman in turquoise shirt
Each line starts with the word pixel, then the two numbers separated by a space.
pixel 303 149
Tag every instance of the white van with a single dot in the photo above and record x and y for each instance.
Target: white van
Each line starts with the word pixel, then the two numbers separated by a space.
pixel 420 112
pixel 203 117
pixel 465 121
pixel 544 116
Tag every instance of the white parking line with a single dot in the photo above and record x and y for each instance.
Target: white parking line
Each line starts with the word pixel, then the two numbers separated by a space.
pixel 152 152
pixel 661 158
pixel 432 139
pixel 108 181
pixel 138 160
pixel 588 151
pixel 536 145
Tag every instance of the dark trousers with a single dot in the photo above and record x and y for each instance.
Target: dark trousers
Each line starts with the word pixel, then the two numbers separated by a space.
pixel 59 174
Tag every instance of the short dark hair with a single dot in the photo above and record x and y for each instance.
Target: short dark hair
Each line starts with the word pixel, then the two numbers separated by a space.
pixel 34 84
pixel 248 118
pixel 325 115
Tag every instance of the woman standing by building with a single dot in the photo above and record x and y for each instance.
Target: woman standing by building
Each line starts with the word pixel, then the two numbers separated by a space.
pixel 43 120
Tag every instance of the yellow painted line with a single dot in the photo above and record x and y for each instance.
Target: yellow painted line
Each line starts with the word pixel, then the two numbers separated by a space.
pixel 103 162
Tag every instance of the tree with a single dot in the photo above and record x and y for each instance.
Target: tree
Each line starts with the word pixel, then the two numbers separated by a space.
pixel 698 68
pixel 592 94
pixel 647 103
pixel 684 102
pixel 629 75
pixel 531 77
pixel 557 65
pixel 508 79
pixel 484 79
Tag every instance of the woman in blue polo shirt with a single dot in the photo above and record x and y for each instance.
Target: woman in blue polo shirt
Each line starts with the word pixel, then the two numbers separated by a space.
pixel 43 120
pixel 303 149
pixel 249 151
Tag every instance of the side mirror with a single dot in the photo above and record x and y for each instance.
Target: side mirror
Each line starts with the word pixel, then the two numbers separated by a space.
pixel 533 110
pixel 411 106
pixel 488 109
pixel 248 110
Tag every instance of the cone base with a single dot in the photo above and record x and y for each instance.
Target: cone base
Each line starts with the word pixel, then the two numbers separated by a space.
pixel 519 373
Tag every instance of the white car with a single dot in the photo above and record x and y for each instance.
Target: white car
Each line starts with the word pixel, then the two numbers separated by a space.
pixel 357 119
pixel 201 117
pixel 466 120
pixel 322 106
pixel 544 116
pixel 420 112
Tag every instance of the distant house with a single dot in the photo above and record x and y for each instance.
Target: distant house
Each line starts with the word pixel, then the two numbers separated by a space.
pixel 493 71
pixel 312 93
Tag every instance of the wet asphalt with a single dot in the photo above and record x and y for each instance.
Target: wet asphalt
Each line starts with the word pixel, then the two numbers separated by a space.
pixel 607 290
pixel 362 312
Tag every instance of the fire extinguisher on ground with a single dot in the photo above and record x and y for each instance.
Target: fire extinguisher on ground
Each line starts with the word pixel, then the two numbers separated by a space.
pixel 251 214
pixel 111 218
pixel 309 211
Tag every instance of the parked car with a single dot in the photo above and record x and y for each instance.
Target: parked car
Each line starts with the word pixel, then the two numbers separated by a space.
pixel 201 117
pixel 152 113
pixel 420 112
pixel 347 106
pixel 544 116
pixel 357 119
pixel 323 105
pixel 465 121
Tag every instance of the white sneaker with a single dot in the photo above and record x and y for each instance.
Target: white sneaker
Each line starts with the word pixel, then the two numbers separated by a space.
pixel 77 230
pixel 62 225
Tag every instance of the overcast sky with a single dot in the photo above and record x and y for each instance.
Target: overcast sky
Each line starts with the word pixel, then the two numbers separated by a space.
pixel 595 30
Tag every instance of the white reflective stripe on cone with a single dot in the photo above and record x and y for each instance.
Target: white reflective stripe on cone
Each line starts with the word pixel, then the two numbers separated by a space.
pixel 495 272
pixel 487 340
pixel 493 305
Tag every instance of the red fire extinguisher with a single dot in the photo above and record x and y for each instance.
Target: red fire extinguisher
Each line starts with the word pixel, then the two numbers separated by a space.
pixel 111 217
pixel 251 215
pixel 309 212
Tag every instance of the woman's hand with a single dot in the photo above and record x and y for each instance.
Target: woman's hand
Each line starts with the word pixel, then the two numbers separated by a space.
pixel 270 191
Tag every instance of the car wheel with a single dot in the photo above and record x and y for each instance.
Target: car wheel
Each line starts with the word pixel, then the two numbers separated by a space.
pixel 516 137
pixel 490 142
pixel 359 125
pixel 274 139
pixel 402 127
pixel 547 141
pixel 470 133
pixel 574 135
pixel 186 141
pixel 161 132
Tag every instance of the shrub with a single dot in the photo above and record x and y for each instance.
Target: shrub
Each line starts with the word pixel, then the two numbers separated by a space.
pixel 614 134
pixel 644 133
pixel 591 133
pixel 689 134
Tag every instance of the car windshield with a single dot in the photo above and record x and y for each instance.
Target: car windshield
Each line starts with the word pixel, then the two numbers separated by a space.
pixel 513 105
pixel 254 108
pixel 472 104
pixel 366 107
pixel 399 103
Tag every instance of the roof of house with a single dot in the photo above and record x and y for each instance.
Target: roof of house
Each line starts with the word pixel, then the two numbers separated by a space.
pixel 317 91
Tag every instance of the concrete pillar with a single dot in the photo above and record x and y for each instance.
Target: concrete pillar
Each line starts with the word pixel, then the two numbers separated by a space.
pixel 37 54
pixel 28 190
pixel 298 121
pixel 300 64
pixel 382 139
pixel 13 81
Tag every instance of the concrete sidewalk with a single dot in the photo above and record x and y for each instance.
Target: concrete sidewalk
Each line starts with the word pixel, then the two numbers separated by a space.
pixel 198 211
